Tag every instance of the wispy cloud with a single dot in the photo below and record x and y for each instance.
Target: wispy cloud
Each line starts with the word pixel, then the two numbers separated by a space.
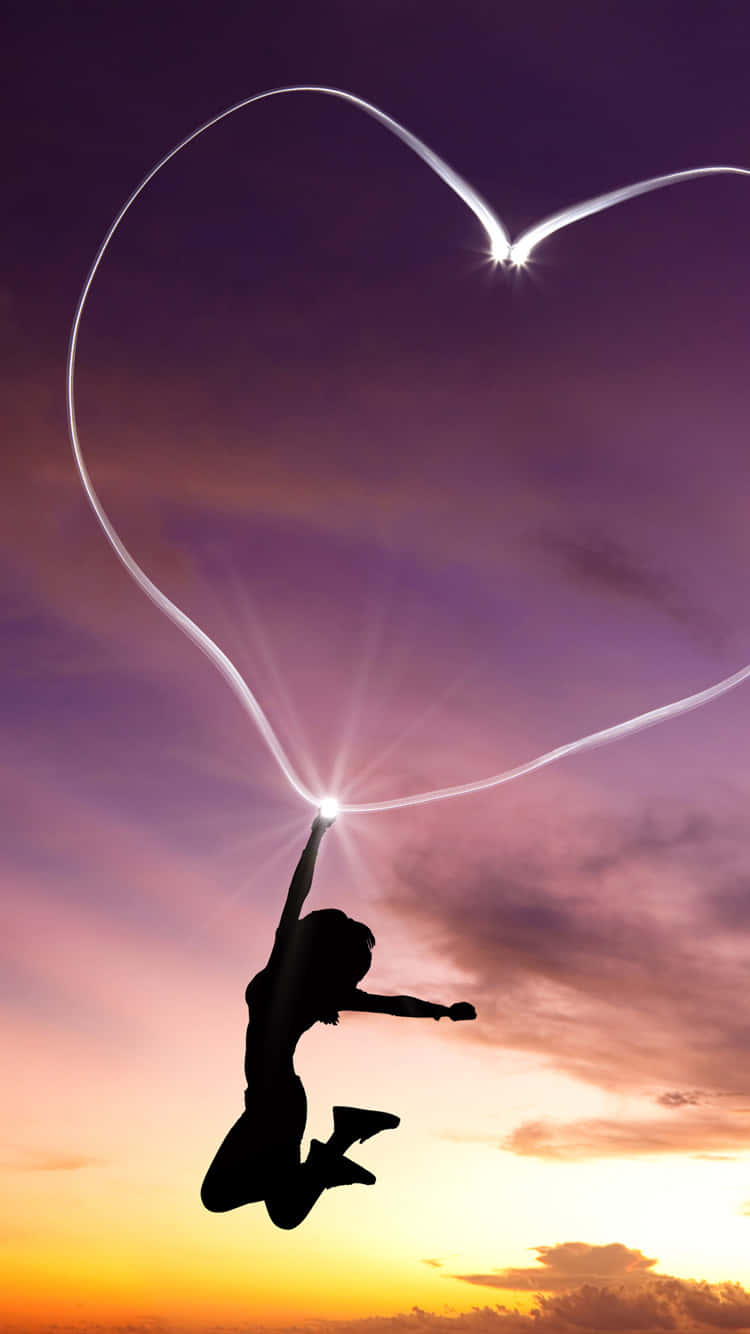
pixel 600 1138
pixel 599 564
pixel 48 1160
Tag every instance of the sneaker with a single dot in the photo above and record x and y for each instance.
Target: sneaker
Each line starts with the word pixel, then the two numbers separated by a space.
pixel 356 1123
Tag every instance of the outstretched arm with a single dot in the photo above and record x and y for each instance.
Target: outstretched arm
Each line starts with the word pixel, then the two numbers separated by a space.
pixel 409 1007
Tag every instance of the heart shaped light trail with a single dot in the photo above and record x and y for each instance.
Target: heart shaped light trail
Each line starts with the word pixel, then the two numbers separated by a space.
pixel 502 250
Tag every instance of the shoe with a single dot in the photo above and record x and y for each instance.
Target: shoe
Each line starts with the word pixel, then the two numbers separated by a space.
pixel 337 1170
pixel 356 1123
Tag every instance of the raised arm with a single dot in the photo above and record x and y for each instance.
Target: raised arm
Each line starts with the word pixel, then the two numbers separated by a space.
pixel 408 1007
pixel 301 880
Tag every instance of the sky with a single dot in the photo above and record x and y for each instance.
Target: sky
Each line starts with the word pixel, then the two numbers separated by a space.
pixel 444 517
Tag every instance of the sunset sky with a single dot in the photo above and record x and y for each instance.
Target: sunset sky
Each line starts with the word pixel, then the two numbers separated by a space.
pixel 444 518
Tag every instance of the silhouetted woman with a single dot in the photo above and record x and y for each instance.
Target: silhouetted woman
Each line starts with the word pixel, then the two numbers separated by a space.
pixel 312 973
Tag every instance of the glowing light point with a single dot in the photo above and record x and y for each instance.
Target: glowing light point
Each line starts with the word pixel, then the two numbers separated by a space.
pixel 501 250
pixel 518 255
pixel 329 808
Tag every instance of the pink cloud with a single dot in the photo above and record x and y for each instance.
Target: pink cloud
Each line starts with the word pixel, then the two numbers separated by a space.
pixel 600 1138
pixel 615 950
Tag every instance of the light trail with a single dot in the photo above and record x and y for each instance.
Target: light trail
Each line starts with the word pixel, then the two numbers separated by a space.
pixel 501 250
pixel 521 248
pixel 603 738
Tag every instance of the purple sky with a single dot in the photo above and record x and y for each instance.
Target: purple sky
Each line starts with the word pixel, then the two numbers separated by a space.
pixel 442 516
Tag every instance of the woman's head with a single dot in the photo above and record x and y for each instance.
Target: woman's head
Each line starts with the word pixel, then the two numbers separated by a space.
pixel 331 954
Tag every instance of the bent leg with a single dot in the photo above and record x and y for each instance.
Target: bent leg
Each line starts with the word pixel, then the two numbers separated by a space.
pixel 295 1188
pixel 259 1159
pixel 298 1187
pixel 239 1172
pixel 261 1147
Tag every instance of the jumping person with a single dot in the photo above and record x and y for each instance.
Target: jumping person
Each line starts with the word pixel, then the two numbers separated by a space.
pixel 311 975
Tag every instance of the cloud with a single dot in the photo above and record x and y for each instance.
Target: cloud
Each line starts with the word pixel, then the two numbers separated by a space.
pixel 603 565
pixel 603 1309
pixel 601 1138
pixel 566 1264
pixel 718 1306
pixel 597 563
pixel 677 1099
pixel 679 1306
pixel 47 1160
pixel 648 1305
pixel 605 949
pixel 578 1287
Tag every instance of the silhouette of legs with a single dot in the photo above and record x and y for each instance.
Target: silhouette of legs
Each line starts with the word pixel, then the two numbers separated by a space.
pixel 246 1170
pixel 292 1195
pixel 239 1173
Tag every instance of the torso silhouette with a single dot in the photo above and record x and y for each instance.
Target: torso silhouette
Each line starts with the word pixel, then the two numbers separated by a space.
pixel 279 1015
pixel 280 1011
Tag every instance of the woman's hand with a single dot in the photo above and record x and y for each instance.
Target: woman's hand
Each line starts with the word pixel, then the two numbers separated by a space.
pixel 461 1010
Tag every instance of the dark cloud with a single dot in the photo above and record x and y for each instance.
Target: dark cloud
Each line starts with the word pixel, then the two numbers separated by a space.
pixel 607 1309
pixel 677 1099
pixel 646 1304
pixel 434 1264
pixel 716 1306
pixel 600 949
pixel 613 1287
pixel 730 905
pixel 654 841
pixel 600 564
